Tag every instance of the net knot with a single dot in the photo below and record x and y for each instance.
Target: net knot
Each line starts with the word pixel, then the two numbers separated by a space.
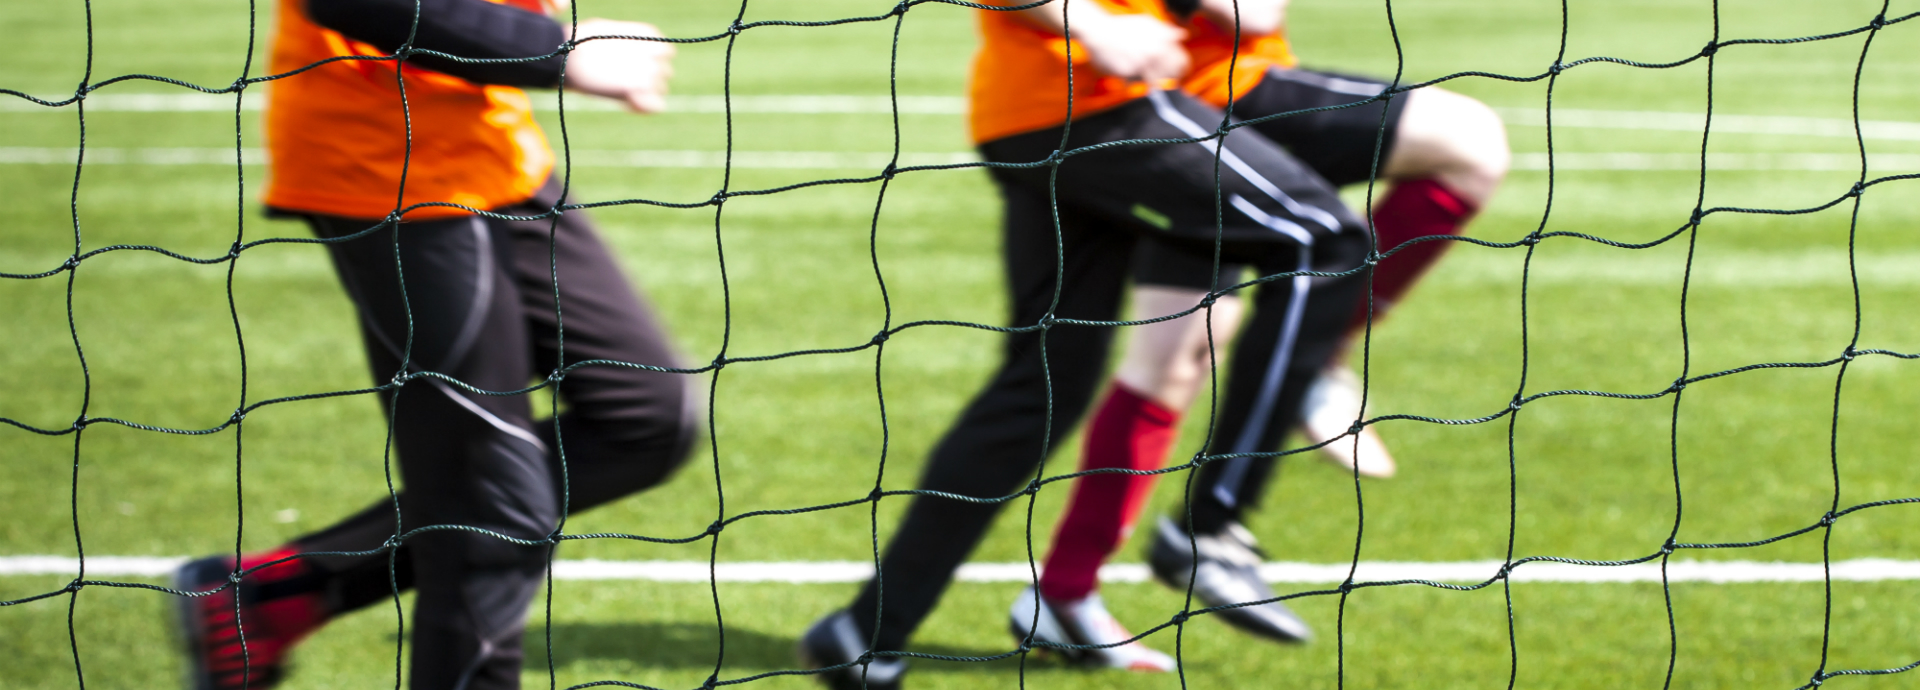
pixel 1358 426
pixel 1879 21
pixel 237 417
pixel 238 85
pixel 392 218
pixel 1679 384
pixel 881 337
pixel 1712 47
pixel 72 262
pixel 1858 189
pixel 1346 586
pixel 400 379
pixel 1506 571
pixel 1181 618
pixel 556 376
pixel 875 495
pixel 735 28
pixel 891 170
pixel 1557 68
pixel 1828 519
pixel 1054 158
pixel 1817 680
pixel 1669 547
pixel 1697 215
pixel 719 362
pixel 1514 405
pixel 1046 322
pixel 900 8
pixel 715 528
pixel 711 682
pixel 233 252
pixel 1849 354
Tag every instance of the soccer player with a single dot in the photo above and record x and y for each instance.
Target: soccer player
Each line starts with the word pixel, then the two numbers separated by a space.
pixel 1272 213
pixel 476 304
pixel 1445 154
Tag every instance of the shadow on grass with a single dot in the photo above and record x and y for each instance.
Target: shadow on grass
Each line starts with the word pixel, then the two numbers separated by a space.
pixel 671 645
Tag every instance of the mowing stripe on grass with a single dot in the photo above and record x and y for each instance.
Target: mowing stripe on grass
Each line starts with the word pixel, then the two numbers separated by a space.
pixel 1880 163
pixel 818 572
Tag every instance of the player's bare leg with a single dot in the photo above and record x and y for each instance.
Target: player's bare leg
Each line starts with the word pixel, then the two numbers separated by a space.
pixel 1165 366
pixel 1449 155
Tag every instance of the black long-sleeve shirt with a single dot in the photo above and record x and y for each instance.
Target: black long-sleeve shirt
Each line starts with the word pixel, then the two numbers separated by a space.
pixel 467 28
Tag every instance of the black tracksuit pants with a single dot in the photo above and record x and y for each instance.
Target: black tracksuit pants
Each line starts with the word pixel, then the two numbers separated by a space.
pixel 478 307
pixel 1274 213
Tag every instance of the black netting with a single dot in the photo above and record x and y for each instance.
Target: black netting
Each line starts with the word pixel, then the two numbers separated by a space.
pixel 1692 220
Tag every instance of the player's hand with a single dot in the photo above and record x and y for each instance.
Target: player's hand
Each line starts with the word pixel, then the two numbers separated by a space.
pixel 625 70
pixel 1133 46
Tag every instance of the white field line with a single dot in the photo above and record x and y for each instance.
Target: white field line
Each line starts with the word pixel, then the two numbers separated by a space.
pixel 1722 123
pixel 762 160
pixel 955 105
pixel 816 572
pixel 1879 164
pixel 797 105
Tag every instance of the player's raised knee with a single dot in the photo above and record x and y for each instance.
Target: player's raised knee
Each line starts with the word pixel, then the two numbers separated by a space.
pixel 1454 138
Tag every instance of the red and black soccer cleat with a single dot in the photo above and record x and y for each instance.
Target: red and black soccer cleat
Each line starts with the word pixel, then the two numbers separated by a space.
pixel 279 606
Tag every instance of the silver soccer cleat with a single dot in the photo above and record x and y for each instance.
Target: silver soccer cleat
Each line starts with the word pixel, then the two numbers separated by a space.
pixel 1227 572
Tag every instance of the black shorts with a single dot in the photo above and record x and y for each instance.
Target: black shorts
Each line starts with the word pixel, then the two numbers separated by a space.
pixel 1166 264
pixel 1269 202
pixel 1337 144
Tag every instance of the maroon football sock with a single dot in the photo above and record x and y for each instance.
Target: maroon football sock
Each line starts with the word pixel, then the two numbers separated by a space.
pixel 1129 431
pixel 1414 209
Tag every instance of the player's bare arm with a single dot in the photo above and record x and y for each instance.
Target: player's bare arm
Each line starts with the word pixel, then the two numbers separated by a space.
pixel 634 72
pixel 631 71
pixel 1131 46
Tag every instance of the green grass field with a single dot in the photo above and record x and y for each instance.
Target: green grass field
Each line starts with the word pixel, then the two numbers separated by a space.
pixel 1594 475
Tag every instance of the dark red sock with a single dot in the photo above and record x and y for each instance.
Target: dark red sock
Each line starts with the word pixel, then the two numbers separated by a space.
pixel 1414 209
pixel 1129 431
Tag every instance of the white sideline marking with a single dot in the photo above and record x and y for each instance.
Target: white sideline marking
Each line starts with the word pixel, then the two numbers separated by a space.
pixel 761 160
pixel 818 572
pixel 793 104
pixel 1722 123
pixel 1879 163
pixel 956 105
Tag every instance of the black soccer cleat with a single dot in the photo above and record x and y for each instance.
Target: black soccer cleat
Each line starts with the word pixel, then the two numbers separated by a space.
pixel 1228 572
pixel 835 641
